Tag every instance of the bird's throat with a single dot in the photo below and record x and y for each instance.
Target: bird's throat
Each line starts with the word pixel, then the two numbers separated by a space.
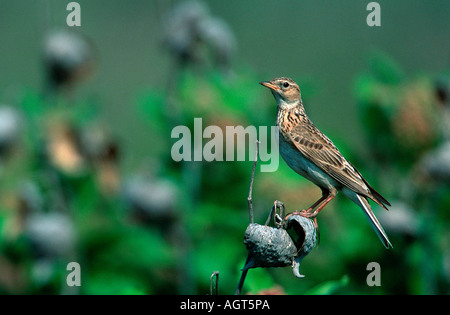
pixel 284 104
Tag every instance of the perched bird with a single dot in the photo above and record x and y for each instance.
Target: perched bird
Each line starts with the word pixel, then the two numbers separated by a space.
pixel 314 156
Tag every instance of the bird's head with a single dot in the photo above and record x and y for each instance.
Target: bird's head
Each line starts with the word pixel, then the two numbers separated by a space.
pixel 285 91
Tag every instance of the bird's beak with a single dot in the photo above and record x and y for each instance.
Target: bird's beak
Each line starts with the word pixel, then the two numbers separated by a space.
pixel 269 85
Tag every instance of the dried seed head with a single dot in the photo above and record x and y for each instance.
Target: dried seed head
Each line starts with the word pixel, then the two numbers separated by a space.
pixel 68 57
pixel 218 35
pixel 306 233
pixel 51 235
pixel 436 164
pixel 151 199
pixel 275 247
pixel 442 91
pixel 98 144
pixel 402 219
pixel 190 30
pixel 268 247
pixel 181 29
pixel 10 127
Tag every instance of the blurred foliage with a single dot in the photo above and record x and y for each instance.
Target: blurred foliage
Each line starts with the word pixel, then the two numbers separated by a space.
pixel 400 115
pixel 125 250
pixel 66 197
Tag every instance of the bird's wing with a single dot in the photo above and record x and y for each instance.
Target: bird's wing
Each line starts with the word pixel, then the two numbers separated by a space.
pixel 314 145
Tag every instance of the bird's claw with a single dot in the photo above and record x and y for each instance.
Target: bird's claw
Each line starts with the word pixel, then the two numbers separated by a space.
pixel 307 213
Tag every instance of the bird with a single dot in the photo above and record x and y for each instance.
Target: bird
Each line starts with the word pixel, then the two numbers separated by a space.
pixel 311 154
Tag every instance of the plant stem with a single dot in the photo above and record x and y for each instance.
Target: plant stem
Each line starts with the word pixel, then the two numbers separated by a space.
pixel 241 281
pixel 249 198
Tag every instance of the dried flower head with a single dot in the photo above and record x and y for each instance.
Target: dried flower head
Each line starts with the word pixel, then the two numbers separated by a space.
pixel 10 126
pixel 190 30
pixel 280 247
pixel 151 199
pixel 68 57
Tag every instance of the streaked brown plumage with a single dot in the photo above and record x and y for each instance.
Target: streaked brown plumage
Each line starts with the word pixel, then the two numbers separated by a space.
pixel 314 156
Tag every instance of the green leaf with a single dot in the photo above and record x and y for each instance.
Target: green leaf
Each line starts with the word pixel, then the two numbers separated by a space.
pixel 113 283
pixel 386 69
pixel 329 287
pixel 138 249
pixel 258 279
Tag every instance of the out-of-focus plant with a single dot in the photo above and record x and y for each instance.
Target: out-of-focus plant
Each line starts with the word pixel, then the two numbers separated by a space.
pixel 400 115
pixel 406 124
pixel 194 35
pixel 68 58
pixel 167 230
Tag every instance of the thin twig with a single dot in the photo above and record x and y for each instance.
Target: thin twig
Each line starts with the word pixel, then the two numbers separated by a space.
pixel 249 198
pixel 242 279
pixel 215 274
pixel 250 210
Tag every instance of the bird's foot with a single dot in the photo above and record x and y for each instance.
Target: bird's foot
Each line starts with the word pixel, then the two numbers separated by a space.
pixel 309 210
pixel 303 213
pixel 307 213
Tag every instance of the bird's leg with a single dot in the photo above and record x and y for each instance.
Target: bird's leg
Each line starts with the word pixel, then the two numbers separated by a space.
pixel 316 212
pixel 325 194
pixel 318 202
pixel 307 213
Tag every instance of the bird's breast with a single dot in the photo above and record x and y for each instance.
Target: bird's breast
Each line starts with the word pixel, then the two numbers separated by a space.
pixel 303 166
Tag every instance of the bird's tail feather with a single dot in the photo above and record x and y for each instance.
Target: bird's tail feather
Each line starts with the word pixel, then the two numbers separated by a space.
pixel 374 222
pixel 376 196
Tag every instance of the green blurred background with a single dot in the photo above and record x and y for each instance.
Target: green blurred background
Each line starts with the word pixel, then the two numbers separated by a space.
pixel 87 175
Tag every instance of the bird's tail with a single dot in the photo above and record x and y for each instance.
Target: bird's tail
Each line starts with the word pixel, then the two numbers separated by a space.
pixel 364 204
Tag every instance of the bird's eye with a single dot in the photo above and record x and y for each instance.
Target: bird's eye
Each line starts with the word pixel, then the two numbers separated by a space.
pixel 286 84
